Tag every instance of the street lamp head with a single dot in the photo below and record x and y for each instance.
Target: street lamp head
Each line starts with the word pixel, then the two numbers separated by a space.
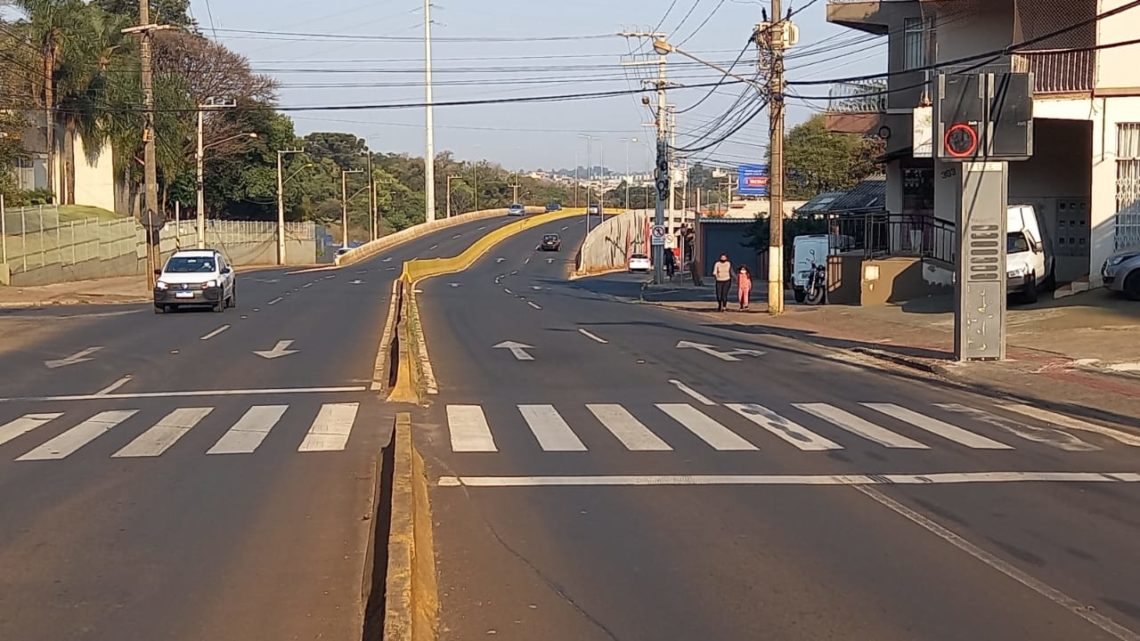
pixel 662 47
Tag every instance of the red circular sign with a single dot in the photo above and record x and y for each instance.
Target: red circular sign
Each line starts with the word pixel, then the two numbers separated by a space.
pixel 961 141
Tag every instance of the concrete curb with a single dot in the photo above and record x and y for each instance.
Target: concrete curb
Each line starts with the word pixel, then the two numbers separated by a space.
pixel 63 302
pixel 920 364
pixel 411 611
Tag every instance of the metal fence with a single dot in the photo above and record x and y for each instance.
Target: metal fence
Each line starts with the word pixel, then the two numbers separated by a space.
pixel 879 234
pixel 36 237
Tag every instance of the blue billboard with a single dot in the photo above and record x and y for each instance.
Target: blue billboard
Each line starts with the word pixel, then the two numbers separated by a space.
pixel 753 180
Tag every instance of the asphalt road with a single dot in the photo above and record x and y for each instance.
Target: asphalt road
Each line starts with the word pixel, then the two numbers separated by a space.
pixel 171 483
pixel 608 470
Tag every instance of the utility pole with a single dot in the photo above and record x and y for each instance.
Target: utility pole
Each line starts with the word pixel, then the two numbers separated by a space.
pixel 475 189
pixel 515 187
pixel 151 218
pixel 772 38
pixel 429 152
pixel 372 222
pixel 281 204
pixel 344 203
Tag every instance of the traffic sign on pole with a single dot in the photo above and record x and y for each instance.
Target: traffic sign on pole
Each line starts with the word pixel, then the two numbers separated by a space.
pixel 657 235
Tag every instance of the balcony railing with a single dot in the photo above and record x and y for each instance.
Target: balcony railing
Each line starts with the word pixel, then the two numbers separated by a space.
pixel 1058 71
pixel 858 97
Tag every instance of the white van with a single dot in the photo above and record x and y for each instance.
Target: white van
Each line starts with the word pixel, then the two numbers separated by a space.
pixel 1030 261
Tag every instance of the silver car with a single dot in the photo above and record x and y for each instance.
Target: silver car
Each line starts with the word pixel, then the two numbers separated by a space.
pixel 1121 272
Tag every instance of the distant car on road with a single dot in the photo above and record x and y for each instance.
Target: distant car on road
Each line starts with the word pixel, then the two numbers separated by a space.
pixel 551 243
pixel 341 251
pixel 639 263
pixel 1121 272
pixel 595 209
pixel 199 278
pixel 516 210
pixel 551 207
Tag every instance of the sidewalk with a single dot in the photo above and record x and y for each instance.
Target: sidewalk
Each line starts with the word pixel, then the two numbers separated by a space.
pixel 1082 350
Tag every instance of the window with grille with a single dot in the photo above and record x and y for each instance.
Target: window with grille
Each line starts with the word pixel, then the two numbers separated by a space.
pixel 1127 185
pixel 918 39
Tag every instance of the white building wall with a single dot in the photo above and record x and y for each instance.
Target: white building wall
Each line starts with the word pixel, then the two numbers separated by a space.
pixel 1116 66
pixel 94 181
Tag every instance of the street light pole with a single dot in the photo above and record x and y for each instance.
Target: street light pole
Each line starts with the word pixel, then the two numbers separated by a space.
pixel 372 222
pixel 344 203
pixel 429 152
pixel 281 204
pixel 211 103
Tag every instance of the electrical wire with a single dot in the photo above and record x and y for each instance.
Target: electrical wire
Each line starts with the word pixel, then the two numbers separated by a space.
pixel 703 23
pixel 724 77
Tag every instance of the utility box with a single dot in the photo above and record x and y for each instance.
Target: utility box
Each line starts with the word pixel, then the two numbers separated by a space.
pixel 984 117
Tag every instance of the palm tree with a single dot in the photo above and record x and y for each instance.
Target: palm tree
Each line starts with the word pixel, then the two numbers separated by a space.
pixel 56 28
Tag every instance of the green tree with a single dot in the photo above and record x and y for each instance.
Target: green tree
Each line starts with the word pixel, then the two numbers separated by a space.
pixel 172 12
pixel 819 160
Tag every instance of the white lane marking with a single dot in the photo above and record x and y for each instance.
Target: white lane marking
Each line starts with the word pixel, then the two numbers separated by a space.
pixel 592 336
pixel 67 443
pixel 331 429
pixel 480 228
pixel 215 333
pixel 1073 423
pixel 469 430
pixel 700 398
pixel 1050 436
pixel 716 435
pixel 935 426
pixel 853 480
pixel 276 300
pixel 549 428
pixel 1083 610
pixel 306 285
pixel 566 227
pixel 164 433
pixel 507 291
pixel 78 357
pixel 456 236
pixel 114 386
pixel 533 304
pixel 527 261
pixel 626 428
pixel 787 430
pixel 216 392
pixel 251 429
pixel 25 424
pixel 857 425
pixel 432 247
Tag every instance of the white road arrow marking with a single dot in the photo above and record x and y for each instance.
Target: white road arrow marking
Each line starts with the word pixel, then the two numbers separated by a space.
pixel 387 260
pixel 454 284
pixel 279 350
pixel 549 261
pixel 77 357
pixel 499 259
pixel 517 349
pixel 729 356
pixel 356 282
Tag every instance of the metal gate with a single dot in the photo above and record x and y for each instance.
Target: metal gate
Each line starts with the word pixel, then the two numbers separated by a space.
pixel 1127 185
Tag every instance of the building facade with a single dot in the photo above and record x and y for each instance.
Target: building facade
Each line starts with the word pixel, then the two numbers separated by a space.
pixel 1085 173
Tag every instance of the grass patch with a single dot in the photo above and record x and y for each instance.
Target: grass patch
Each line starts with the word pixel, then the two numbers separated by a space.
pixel 79 212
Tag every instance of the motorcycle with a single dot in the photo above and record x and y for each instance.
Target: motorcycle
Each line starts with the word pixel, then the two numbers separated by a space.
pixel 816 290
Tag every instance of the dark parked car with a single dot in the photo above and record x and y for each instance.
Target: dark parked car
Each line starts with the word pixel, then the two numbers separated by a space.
pixel 551 243
pixel 553 207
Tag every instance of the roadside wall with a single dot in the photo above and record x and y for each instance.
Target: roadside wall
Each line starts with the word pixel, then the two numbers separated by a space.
pixel 609 245
pixel 39 248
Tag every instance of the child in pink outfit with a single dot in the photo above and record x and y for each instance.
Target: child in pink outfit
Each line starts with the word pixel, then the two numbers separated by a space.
pixel 744 286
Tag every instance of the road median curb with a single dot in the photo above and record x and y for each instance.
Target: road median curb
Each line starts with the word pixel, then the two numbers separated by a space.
pixel 411 611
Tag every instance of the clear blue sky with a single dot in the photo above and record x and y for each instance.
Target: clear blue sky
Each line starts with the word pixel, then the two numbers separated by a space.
pixel 540 135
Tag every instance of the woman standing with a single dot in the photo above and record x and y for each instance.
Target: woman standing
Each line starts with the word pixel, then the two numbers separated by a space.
pixel 722 274
pixel 744 286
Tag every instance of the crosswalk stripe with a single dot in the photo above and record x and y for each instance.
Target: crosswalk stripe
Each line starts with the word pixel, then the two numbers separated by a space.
pixel 331 429
pixel 552 432
pixel 627 429
pixel 67 443
pixel 469 430
pixel 1050 436
pixel 164 433
pixel 791 432
pixel 857 425
pixel 1073 423
pixel 24 424
pixel 935 426
pixel 716 435
pixel 251 429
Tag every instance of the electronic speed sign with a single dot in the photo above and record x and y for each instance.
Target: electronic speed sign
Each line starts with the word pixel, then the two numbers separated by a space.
pixel 961 140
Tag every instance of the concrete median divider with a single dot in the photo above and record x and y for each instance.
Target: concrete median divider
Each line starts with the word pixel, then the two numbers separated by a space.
pixel 413 378
pixel 411 594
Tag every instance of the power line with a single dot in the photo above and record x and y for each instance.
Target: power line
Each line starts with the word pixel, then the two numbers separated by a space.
pixel 724 77
pixel 365 38
pixel 703 23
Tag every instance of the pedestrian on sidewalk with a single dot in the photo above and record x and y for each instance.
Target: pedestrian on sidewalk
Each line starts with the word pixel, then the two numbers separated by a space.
pixel 743 286
pixel 670 263
pixel 722 274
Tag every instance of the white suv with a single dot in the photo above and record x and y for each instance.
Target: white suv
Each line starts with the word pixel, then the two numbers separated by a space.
pixel 195 278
